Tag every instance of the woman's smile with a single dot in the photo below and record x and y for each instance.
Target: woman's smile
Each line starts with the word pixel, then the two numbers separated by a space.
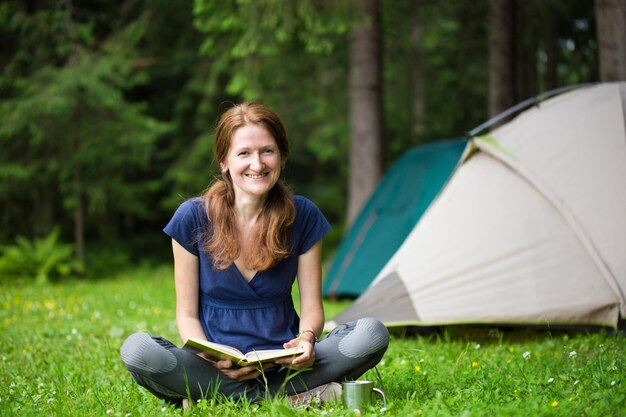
pixel 256 176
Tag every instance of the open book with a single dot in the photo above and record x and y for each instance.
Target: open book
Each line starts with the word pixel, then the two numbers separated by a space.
pixel 240 359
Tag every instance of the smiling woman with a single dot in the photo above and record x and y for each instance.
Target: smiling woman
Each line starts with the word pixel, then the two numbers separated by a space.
pixel 237 252
pixel 255 210
pixel 253 162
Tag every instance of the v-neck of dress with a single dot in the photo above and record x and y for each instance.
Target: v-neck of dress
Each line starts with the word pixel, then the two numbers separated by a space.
pixel 242 276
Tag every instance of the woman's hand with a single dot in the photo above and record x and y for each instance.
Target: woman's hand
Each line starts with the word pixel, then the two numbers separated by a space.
pixel 207 358
pixel 237 373
pixel 242 373
pixel 303 361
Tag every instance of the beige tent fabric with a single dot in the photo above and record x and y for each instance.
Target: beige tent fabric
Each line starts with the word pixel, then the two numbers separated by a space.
pixel 531 228
pixel 574 146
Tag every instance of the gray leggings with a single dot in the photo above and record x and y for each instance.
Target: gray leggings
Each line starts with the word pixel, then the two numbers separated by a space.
pixel 171 373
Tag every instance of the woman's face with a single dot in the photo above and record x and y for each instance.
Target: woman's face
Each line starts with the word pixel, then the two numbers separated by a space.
pixel 253 161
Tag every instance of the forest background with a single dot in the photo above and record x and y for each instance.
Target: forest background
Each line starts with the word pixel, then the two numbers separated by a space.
pixel 107 108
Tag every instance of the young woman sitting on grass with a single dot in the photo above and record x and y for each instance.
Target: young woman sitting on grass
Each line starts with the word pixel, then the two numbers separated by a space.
pixel 237 252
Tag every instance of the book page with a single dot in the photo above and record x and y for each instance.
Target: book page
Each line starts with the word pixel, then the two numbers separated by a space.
pixel 264 355
pixel 215 349
pixel 220 351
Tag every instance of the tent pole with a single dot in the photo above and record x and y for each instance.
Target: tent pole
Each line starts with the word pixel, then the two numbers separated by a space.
pixel 533 101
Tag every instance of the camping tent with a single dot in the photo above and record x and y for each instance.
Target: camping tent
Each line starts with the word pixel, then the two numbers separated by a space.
pixel 530 229
pixel 389 215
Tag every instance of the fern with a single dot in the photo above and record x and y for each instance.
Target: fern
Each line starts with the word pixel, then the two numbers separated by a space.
pixel 41 260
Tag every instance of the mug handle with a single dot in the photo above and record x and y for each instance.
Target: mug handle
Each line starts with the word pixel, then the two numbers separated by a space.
pixel 379 391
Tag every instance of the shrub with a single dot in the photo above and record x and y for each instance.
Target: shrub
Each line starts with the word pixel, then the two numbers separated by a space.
pixel 43 260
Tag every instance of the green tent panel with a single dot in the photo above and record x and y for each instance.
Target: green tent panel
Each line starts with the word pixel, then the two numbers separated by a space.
pixel 391 212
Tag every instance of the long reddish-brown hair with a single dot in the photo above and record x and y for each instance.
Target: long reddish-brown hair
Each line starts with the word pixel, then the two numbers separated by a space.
pixel 270 242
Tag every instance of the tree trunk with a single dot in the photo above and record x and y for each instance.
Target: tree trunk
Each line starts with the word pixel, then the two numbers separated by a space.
pixel 43 219
pixel 79 209
pixel 419 95
pixel 365 109
pixel 79 217
pixel 611 22
pixel 550 80
pixel 502 53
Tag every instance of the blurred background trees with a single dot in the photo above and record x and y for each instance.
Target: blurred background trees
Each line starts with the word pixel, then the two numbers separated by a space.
pixel 107 108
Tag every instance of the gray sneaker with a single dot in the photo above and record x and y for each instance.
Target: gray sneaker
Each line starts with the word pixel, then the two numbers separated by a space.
pixel 317 396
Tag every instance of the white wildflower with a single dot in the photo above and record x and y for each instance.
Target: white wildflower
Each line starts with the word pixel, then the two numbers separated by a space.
pixel 526 355
pixel 576 382
pixel 49 400
pixel 109 411
pixel 613 383
pixel 551 380
pixel 477 346
pixel 572 354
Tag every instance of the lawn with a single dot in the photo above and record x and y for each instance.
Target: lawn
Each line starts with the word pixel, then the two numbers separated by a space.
pixel 59 348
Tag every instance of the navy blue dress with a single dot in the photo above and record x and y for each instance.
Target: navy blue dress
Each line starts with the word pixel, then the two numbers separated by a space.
pixel 247 315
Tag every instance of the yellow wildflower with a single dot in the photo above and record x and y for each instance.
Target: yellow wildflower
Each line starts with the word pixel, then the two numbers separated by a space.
pixel 418 369
pixel 554 404
pixel 475 365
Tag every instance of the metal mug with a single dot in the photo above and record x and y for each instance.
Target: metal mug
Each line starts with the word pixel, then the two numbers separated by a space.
pixel 357 395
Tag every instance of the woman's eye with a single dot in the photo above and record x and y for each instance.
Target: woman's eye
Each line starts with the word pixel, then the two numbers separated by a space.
pixel 268 151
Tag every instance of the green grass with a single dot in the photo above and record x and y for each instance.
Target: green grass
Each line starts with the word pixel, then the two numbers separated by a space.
pixel 59 356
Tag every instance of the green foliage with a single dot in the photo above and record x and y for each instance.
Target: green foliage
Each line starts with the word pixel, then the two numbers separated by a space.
pixel 60 356
pixel 66 123
pixel 110 108
pixel 41 260
pixel 293 57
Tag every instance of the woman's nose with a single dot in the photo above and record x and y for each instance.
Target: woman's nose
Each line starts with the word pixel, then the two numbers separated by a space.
pixel 257 162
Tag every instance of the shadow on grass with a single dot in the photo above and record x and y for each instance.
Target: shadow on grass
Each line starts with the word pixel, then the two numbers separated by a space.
pixel 497 334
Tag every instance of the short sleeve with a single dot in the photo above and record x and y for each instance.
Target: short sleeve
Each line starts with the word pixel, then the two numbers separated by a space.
pixel 185 226
pixel 311 223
